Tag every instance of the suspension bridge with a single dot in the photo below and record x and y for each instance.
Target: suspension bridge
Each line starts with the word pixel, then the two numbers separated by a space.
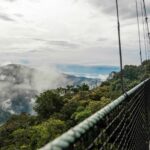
pixel 124 124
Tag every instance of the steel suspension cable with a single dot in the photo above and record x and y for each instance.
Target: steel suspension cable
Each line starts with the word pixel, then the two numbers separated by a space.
pixel 139 34
pixel 148 49
pixel 120 48
pixel 143 22
pixel 146 20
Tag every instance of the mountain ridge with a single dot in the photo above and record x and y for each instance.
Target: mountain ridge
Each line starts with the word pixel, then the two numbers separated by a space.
pixel 20 84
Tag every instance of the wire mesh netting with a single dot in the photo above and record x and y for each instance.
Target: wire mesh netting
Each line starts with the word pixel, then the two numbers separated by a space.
pixel 121 125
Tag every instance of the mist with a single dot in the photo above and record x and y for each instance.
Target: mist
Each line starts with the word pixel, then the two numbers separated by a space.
pixel 19 86
pixel 47 78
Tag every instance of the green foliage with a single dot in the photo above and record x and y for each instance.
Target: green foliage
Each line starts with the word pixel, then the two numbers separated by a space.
pixel 131 72
pixel 48 103
pixel 36 136
pixel 83 87
pixel 69 108
pixel 60 109
pixel 85 111
pixel 81 115
pixel 22 121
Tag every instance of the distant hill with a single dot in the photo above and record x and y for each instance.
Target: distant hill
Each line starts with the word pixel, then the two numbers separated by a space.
pixel 101 72
pixel 73 80
pixel 20 84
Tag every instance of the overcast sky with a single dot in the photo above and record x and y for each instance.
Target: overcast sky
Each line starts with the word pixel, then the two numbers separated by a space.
pixel 43 32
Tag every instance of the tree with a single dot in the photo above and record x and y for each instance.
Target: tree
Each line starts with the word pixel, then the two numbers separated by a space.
pixel 83 87
pixel 48 103
pixel 22 121
pixel 37 136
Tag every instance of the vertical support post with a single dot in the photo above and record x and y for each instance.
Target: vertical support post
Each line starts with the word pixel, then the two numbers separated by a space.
pixel 120 49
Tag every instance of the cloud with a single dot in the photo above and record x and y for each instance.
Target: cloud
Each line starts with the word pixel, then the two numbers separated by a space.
pixel 24 61
pixel 20 84
pixel 59 31
pixel 6 17
pixel 11 0
pixel 42 40
pixel 64 44
pixel 18 15
pixel 102 39
pixel 127 8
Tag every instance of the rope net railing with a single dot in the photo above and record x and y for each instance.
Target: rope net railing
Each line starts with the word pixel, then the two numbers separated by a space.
pixel 121 125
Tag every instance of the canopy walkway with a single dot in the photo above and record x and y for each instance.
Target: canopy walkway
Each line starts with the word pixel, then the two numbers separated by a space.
pixel 121 125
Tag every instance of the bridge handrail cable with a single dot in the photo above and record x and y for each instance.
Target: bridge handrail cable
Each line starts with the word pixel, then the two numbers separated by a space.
pixel 72 136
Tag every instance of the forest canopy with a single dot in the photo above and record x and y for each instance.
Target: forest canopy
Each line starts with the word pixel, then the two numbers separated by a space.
pixel 62 108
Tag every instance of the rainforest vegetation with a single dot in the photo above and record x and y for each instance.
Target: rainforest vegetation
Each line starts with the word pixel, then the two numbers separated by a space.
pixel 62 108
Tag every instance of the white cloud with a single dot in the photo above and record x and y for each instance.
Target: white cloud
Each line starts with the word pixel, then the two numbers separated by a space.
pixel 65 31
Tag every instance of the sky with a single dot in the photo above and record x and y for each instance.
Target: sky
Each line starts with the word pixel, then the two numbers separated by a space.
pixel 83 32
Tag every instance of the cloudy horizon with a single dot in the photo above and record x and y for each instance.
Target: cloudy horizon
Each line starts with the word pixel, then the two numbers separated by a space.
pixel 45 32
